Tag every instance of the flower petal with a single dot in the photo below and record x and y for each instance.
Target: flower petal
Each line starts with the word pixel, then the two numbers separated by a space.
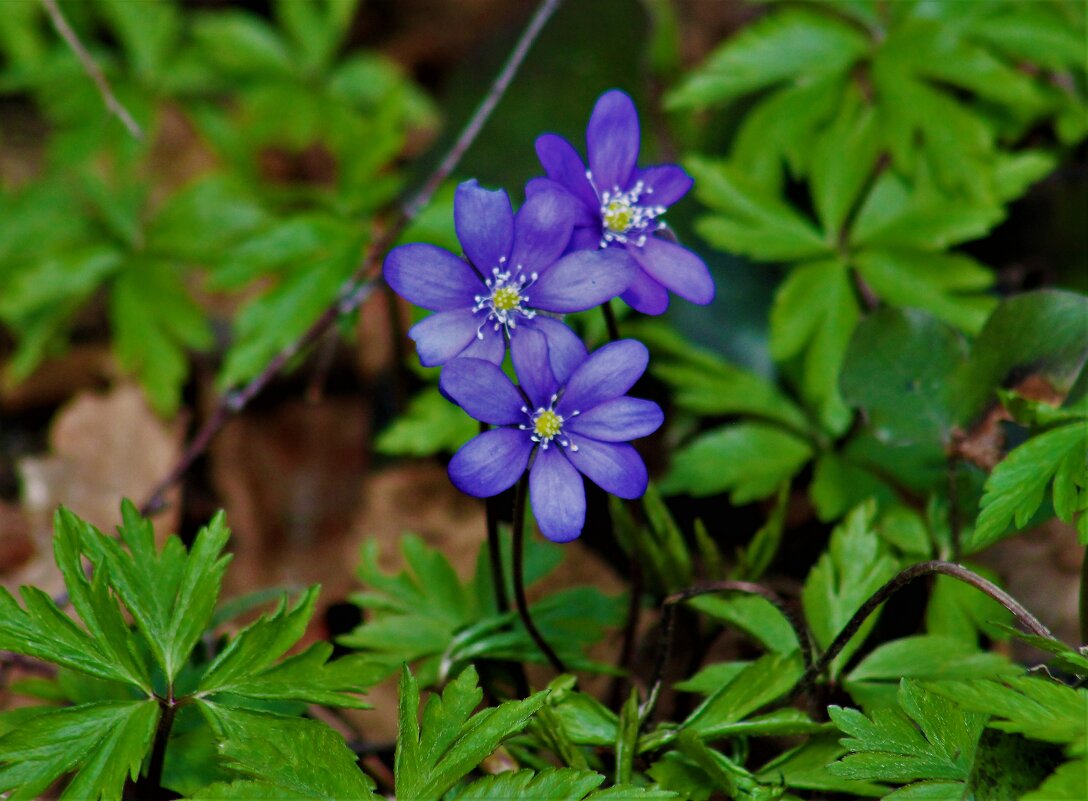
pixel 608 373
pixel 612 140
pixel 491 462
pixel 483 390
pixel 491 348
pixel 529 351
pixel 564 166
pixel 485 224
pixel 557 495
pixel 565 349
pixel 584 215
pixel 582 280
pixel 677 268
pixel 646 295
pixel 665 184
pixel 431 277
pixel 443 335
pixel 542 230
pixel 587 238
pixel 615 468
pixel 618 420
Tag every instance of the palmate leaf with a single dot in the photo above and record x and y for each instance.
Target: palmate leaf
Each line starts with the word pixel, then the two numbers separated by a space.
pixel 248 666
pixel 749 460
pixel 427 616
pixel 451 741
pixel 171 594
pixel 1033 706
pixel 100 743
pixel 1067 783
pixel 1017 485
pixel 294 759
pixel 777 48
pixel 925 739
pixel 855 565
pixel 554 784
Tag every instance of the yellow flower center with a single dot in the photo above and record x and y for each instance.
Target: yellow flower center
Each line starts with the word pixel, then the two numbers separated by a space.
pixel 547 424
pixel 505 298
pixel 618 216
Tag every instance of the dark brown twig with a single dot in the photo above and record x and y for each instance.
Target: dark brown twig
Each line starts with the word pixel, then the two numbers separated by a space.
pixel 113 105
pixel 668 624
pixel 905 577
pixel 364 282
pixel 520 600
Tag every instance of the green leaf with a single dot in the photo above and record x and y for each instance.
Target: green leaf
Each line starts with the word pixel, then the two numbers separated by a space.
pixel 749 460
pixel 1043 330
pixel 276 319
pixel 924 739
pixel 283 758
pixel 947 285
pixel 777 48
pixel 958 610
pixel 241 44
pixel 897 369
pixel 222 209
pixel 813 316
pixel 874 680
pixel 154 320
pixel 1033 706
pixel 855 565
pixel 170 594
pixel 426 615
pixel 1067 658
pixel 805 768
pixel 452 741
pixel 149 32
pixel 708 386
pixel 430 425
pixel 752 221
pixel 247 665
pixel 558 784
pixel 895 215
pixel 101 744
pixel 1015 488
pixel 838 180
pixel 765 680
pixel 755 616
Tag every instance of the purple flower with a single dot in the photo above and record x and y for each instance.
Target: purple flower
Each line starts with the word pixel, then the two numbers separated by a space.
pixel 511 272
pixel 620 205
pixel 577 424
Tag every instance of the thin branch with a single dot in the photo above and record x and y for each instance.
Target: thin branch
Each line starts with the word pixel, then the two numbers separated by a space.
pixel 1026 619
pixel 519 577
pixel 365 280
pixel 113 105
pixel 668 625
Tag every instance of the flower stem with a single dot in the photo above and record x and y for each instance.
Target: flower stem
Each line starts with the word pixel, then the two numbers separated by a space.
pixel 668 626
pixel 1026 619
pixel 610 321
pixel 494 549
pixel 519 577
pixel 1084 597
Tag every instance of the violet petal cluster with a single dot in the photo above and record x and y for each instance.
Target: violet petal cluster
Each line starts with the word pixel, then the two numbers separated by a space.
pixel 620 205
pixel 560 428
pixel 513 270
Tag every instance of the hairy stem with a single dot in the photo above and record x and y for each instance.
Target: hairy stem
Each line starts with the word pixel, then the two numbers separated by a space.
pixel 113 105
pixel 1084 597
pixel 519 577
pixel 494 549
pixel 668 625
pixel 1026 619
pixel 364 282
